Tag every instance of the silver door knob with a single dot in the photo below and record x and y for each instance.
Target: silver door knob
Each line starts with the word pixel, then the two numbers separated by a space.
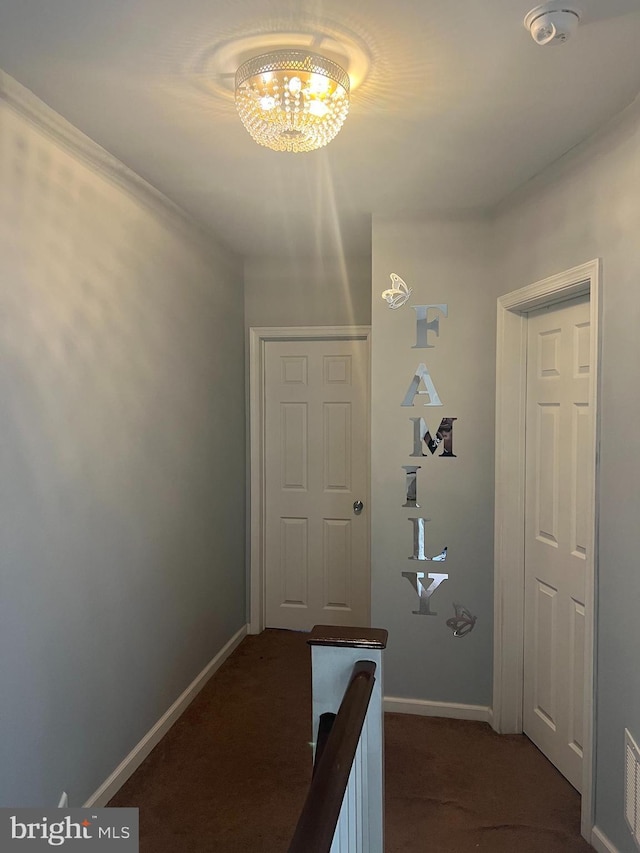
pixel 358 506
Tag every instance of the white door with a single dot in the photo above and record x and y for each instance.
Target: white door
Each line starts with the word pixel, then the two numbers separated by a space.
pixel 558 436
pixel 316 467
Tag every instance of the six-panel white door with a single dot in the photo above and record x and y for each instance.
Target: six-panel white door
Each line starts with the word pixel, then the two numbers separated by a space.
pixel 558 438
pixel 316 467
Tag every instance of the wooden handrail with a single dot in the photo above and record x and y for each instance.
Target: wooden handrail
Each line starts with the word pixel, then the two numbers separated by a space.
pixel 325 724
pixel 319 817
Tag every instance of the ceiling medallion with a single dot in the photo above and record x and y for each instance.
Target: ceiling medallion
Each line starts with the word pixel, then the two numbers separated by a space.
pixel 292 100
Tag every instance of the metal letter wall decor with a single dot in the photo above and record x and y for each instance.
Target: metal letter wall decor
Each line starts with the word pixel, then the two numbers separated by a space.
pixel 444 434
pixel 424 325
pixel 424 593
pixel 412 485
pixel 418 543
pixel 423 387
pixel 423 376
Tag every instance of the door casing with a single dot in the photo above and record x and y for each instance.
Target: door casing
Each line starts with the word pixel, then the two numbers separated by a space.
pixel 258 338
pixel 511 384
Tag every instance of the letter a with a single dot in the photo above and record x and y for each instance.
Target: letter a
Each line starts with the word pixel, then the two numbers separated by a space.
pixel 423 376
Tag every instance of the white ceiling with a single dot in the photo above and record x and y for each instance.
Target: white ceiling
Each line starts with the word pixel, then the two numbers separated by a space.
pixel 458 106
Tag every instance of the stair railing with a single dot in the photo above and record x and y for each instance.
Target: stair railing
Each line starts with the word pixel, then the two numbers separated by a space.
pixel 344 808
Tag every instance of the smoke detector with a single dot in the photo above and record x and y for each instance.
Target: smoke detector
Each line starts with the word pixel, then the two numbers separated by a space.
pixel 552 23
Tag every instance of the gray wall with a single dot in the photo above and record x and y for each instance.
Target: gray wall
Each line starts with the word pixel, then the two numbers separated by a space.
pixel 313 291
pixel 444 262
pixel 121 465
pixel 588 205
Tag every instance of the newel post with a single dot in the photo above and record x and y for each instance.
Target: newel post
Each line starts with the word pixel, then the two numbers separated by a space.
pixel 334 652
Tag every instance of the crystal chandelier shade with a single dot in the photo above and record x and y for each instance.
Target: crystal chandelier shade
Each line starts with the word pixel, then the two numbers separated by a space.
pixel 292 100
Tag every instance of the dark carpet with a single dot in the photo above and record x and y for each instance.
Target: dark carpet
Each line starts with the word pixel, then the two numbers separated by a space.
pixel 232 774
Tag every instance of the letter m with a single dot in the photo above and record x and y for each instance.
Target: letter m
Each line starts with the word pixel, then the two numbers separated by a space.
pixel 443 437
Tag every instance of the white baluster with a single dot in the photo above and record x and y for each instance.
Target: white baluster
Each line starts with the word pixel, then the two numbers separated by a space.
pixel 334 652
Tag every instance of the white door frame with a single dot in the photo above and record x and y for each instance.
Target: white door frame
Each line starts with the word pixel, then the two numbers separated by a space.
pixel 258 338
pixel 511 385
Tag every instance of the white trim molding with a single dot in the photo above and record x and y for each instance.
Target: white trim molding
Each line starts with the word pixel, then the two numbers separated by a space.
pixel 601 843
pixel 141 750
pixel 509 504
pixel 258 338
pixel 426 708
pixel 64 134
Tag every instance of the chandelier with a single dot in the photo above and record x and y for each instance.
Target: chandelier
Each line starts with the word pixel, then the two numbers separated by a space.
pixel 292 100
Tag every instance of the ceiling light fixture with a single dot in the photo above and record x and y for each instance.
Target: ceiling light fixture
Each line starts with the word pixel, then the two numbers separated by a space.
pixel 292 100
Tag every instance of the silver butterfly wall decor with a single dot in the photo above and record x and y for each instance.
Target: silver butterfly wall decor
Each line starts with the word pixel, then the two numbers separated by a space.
pixel 398 293
pixel 462 623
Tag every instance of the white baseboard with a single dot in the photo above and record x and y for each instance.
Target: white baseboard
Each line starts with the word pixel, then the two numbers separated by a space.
pixel 425 708
pixel 600 842
pixel 138 754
